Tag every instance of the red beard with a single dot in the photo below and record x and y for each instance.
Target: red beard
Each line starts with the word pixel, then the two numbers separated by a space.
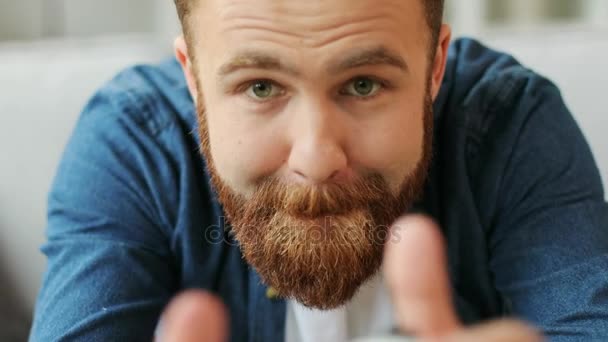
pixel 317 244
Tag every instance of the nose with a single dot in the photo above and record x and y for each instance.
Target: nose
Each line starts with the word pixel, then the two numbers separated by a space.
pixel 317 153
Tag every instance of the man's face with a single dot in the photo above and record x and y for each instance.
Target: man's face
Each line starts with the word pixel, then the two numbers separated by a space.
pixel 315 119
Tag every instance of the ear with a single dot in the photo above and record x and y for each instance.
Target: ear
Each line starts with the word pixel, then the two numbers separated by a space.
pixel 181 53
pixel 441 56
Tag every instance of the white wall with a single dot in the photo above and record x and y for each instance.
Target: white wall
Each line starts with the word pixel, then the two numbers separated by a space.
pixel 92 17
pixel 37 19
pixel 21 19
pixel 480 17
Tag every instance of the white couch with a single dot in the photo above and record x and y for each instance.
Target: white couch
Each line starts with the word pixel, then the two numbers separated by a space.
pixel 44 86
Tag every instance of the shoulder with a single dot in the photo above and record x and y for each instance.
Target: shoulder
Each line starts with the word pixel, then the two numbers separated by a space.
pixel 143 117
pixel 151 97
pixel 517 140
pixel 493 99
pixel 482 81
pixel 132 141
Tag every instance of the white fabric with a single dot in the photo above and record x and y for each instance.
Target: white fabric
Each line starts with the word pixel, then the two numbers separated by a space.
pixel 369 313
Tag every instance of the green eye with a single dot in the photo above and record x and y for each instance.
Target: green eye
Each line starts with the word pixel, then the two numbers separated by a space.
pixel 363 87
pixel 261 89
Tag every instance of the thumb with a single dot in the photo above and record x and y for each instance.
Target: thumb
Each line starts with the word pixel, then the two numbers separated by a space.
pixel 416 273
pixel 194 316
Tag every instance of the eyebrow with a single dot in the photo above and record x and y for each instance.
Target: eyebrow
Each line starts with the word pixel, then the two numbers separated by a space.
pixel 368 57
pixel 253 59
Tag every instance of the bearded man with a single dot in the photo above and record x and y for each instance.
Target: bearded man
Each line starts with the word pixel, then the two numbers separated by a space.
pixel 323 171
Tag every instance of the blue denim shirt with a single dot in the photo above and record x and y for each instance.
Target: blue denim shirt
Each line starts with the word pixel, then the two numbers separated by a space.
pixel 132 219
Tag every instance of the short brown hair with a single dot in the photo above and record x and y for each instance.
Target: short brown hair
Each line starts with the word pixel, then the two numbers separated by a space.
pixel 434 17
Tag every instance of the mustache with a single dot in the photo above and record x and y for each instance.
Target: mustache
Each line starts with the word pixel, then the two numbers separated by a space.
pixel 327 199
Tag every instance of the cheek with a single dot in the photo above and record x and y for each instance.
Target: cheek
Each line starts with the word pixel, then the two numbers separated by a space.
pixel 244 147
pixel 392 143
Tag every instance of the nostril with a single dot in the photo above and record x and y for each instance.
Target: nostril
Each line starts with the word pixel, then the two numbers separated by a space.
pixel 303 178
pixel 300 177
pixel 315 162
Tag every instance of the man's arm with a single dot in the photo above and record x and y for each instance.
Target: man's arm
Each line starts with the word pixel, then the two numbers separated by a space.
pixel 549 246
pixel 110 270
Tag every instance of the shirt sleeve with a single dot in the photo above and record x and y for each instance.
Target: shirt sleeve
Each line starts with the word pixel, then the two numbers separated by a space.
pixel 110 270
pixel 549 244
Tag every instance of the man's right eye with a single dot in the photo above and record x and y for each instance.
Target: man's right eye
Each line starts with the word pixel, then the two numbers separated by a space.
pixel 263 90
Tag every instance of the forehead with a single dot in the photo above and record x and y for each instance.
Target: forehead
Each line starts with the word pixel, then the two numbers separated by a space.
pixel 310 21
pixel 334 8
pixel 312 30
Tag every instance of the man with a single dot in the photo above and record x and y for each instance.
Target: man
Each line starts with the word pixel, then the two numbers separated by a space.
pixel 320 124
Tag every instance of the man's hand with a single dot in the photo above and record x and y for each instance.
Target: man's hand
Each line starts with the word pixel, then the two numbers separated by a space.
pixel 194 316
pixel 415 269
pixel 416 272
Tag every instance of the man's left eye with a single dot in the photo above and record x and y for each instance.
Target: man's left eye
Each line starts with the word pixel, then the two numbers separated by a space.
pixel 362 87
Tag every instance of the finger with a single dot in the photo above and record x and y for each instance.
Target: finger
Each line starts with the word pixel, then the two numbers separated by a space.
pixel 416 273
pixel 505 330
pixel 194 316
